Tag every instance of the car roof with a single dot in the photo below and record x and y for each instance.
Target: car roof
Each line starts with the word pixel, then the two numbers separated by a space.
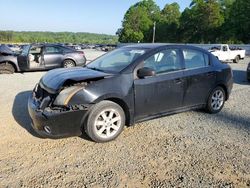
pixel 158 45
pixel 153 46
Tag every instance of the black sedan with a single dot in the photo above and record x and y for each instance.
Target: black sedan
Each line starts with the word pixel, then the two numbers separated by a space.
pixel 248 72
pixel 128 85
pixel 40 57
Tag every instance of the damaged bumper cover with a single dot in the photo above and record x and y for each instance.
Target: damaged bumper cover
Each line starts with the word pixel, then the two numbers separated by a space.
pixel 58 122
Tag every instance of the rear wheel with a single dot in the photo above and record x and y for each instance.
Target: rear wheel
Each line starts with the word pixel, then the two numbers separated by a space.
pixel 237 59
pixel 6 68
pixel 105 121
pixel 68 63
pixel 216 100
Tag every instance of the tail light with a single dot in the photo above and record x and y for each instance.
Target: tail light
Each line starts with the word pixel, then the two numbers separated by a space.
pixel 81 52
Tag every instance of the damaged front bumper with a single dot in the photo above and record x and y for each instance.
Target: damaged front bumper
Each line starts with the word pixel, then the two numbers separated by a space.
pixel 57 122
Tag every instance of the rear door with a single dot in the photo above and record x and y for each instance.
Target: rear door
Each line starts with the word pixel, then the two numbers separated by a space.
pixel 164 91
pixel 200 77
pixel 52 56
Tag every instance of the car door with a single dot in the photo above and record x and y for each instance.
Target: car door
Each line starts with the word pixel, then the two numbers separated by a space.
pixel 52 56
pixel 23 58
pixel 200 77
pixel 164 91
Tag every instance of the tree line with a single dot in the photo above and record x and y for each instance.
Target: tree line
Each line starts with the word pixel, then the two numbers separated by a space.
pixel 204 21
pixel 55 37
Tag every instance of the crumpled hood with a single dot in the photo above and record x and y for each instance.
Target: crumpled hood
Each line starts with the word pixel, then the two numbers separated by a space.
pixel 6 50
pixel 53 80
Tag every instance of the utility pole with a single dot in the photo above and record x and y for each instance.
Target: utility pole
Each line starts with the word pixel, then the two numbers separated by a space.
pixel 154 33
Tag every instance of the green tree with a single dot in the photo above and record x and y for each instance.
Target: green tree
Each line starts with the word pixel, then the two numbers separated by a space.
pixel 201 22
pixel 239 21
pixel 138 22
pixel 168 25
pixel 55 37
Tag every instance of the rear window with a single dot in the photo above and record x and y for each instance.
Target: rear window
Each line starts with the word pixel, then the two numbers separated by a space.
pixel 67 50
pixel 52 49
pixel 195 59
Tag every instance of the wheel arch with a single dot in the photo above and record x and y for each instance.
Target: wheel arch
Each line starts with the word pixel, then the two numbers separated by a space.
pixel 69 58
pixel 11 63
pixel 225 89
pixel 124 106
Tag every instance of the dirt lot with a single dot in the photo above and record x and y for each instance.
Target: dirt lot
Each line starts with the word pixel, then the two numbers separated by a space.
pixel 191 149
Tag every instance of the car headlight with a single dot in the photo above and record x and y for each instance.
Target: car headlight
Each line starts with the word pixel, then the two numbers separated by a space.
pixel 65 95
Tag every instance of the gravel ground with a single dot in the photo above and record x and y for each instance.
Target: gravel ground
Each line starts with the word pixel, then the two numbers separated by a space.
pixel 191 149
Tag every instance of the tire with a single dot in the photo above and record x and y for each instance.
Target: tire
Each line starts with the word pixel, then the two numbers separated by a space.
pixel 99 126
pixel 216 100
pixel 237 59
pixel 68 63
pixel 6 68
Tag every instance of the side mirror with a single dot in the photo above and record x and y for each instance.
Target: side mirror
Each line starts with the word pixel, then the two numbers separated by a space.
pixel 145 71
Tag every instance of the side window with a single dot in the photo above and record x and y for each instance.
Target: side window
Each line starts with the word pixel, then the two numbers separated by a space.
pixel 52 49
pixel 195 59
pixel 164 61
pixel 35 50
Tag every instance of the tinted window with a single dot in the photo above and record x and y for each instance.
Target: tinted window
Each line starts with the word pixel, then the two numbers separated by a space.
pixel 195 59
pixel 52 49
pixel 164 61
pixel 67 50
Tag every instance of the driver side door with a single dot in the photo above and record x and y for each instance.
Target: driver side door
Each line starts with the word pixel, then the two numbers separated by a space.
pixel 163 92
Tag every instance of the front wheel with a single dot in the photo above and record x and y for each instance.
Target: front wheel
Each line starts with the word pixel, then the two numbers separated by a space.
pixel 105 121
pixel 216 100
pixel 6 68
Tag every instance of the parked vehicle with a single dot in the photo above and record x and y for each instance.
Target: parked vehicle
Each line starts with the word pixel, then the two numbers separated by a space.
pixel 248 72
pixel 41 57
pixel 75 47
pixel 226 53
pixel 128 85
pixel 108 47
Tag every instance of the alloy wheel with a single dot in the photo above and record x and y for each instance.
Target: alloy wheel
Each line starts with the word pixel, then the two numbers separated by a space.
pixel 217 100
pixel 107 123
pixel 68 64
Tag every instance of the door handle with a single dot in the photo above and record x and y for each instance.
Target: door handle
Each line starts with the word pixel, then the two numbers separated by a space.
pixel 178 80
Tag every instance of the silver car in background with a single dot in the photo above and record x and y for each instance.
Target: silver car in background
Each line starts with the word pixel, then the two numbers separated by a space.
pixel 40 57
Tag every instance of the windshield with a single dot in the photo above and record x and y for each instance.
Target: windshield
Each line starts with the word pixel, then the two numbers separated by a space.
pixel 116 60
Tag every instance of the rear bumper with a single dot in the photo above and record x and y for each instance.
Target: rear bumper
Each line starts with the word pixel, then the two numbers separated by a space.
pixel 81 62
pixel 61 123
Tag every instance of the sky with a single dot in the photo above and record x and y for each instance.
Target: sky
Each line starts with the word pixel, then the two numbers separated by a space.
pixel 94 16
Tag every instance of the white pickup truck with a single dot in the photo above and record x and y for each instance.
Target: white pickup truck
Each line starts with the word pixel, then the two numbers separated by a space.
pixel 225 53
